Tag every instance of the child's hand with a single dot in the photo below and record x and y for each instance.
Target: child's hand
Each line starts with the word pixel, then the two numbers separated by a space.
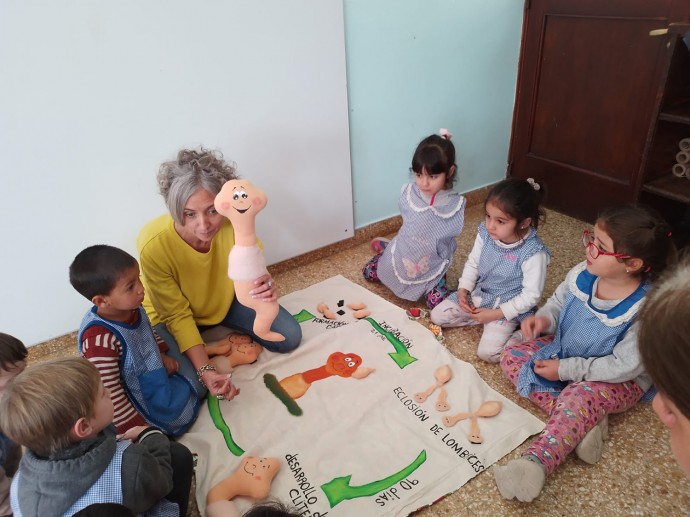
pixel 171 366
pixel 486 315
pixel 132 433
pixel 534 326
pixel 464 301
pixel 547 368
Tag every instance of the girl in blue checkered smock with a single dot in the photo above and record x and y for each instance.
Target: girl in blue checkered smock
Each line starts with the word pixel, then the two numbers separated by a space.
pixel 415 262
pixel 504 275
pixel 592 366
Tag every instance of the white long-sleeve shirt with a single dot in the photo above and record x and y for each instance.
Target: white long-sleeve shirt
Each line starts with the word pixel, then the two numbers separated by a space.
pixel 533 278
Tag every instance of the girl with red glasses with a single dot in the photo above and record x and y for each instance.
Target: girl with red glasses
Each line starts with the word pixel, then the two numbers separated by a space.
pixel 591 366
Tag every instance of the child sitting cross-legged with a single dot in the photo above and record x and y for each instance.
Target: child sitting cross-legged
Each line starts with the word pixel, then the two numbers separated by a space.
pixel 504 275
pixel 591 367
pixel 117 337
pixel 12 362
pixel 61 412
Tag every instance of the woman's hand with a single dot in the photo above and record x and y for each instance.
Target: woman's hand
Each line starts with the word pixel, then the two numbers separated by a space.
pixel 265 290
pixel 170 364
pixel 534 326
pixel 464 301
pixel 547 368
pixel 219 385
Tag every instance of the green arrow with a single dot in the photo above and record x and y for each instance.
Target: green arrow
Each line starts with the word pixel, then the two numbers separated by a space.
pixel 339 489
pixel 401 356
pixel 217 417
pixel 303 315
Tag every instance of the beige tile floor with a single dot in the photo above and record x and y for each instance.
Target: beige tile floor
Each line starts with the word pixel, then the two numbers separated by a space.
pixel 636 475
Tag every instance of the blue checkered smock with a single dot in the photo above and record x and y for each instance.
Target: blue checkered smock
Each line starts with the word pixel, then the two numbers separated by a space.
pixel 417 258
pixel 583 330
pixel 168 402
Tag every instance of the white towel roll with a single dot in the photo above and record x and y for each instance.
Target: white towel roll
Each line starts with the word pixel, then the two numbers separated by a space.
pixel 681 171
pixel 684 144
pixel 683 157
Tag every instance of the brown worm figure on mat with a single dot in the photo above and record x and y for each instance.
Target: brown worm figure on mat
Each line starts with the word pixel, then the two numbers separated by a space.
pixel 441 404
pixel 486 410
pixel 442 374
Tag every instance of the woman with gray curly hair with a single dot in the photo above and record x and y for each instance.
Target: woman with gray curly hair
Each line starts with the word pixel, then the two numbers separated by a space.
pixel 184 264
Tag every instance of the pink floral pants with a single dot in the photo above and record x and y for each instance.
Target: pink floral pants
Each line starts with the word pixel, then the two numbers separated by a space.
pixel 572 412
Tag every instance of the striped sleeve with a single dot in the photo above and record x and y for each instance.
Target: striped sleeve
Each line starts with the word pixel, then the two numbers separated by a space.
pixel 102 348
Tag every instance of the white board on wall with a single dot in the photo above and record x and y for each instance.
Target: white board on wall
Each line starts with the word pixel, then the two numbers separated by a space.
pixel 94 96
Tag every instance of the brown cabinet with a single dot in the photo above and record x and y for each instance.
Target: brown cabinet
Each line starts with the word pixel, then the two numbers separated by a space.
pixel 671 123
pixel 601 104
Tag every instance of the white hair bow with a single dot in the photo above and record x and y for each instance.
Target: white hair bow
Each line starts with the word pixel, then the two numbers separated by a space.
pixel 534 184
pixel 445 133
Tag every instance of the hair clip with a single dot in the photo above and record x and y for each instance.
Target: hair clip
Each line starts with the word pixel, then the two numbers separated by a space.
pixel 533 183
pixel 445 133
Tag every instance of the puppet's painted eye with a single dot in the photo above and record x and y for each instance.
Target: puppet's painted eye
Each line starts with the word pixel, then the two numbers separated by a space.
pixel 347 359
pixel 351 364
pixel 243 194
pixel 235 196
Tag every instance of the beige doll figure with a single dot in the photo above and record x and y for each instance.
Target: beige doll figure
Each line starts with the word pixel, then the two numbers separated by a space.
pixel 232 350
pixel 252 479
pixel 240 201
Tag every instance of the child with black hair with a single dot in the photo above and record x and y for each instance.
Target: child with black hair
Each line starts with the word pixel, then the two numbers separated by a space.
pixel 591 367
pixel 415 262
pixel 12 362
pixel 117 337
pixel 503 278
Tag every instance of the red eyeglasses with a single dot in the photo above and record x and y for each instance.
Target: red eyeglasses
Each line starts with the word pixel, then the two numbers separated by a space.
pixel 588 242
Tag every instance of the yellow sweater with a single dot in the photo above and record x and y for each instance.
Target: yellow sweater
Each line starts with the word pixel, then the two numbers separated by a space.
pixel 184 288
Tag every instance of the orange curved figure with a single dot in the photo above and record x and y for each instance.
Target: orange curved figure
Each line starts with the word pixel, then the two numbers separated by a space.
pixel 253 478
pixel 338 363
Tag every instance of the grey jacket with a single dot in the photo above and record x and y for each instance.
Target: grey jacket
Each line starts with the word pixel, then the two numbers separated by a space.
pixel 49 486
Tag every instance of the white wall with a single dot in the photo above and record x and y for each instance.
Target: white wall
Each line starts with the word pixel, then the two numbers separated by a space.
pixel 94 95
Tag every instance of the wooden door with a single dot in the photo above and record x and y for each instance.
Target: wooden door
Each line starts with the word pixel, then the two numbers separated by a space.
pixel 588 84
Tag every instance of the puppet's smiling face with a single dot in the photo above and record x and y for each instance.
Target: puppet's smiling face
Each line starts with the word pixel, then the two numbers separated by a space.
pixel 239 199
pixel 343 365
pixel 260 468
